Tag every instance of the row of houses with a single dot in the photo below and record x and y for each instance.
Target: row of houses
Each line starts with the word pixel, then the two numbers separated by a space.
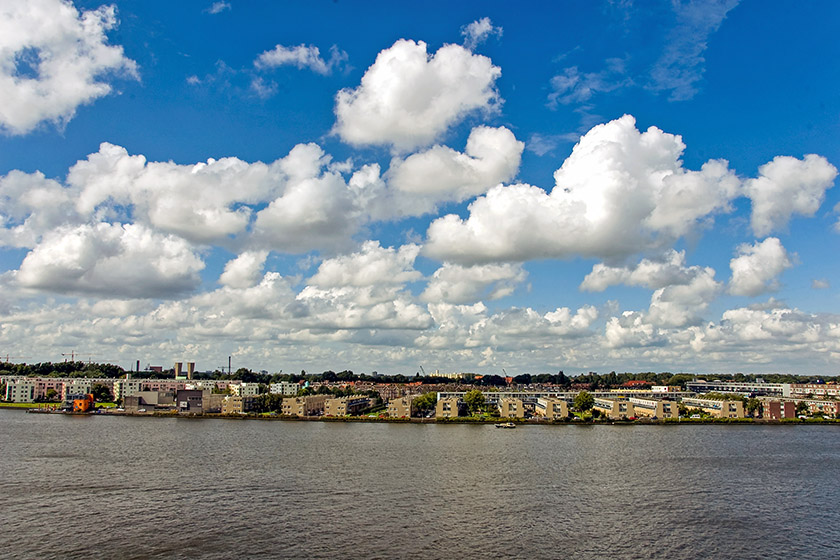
pixel 32 389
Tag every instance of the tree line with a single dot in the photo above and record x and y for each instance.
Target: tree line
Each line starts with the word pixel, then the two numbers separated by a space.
pixel 591 380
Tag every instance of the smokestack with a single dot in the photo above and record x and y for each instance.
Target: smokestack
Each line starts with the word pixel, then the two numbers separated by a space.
pixel 178 369
pixel 190 369
pixel 229 372
pixel 138 366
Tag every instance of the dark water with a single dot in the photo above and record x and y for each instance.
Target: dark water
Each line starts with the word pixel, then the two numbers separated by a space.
pixel 110 487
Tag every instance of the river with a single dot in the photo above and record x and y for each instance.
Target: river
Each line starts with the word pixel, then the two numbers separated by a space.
pixel 123 487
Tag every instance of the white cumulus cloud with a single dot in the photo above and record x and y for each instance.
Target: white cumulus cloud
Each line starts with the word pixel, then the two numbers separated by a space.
pixel 654 273
pixel 787 186
pixel 245 270
pixel 408 98
pixel 492 156
pixel 54 59
pixel 457 284
pixel 757 266
pixel 373 265
pixel 621 191
pixel 115 260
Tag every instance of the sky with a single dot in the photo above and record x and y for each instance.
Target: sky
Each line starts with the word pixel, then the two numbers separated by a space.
pixel 614 185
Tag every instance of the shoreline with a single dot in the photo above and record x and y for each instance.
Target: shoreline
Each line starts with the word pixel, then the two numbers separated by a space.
pixel 460 420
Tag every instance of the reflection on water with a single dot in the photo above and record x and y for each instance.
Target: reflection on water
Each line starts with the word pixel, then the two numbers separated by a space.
pixel 177 488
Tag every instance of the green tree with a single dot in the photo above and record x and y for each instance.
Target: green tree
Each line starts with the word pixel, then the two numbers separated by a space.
pixel 801 408
pixel 475 401
pixel 584 401
pixel 101 393
pixel 52 395
pixel 425 402
pixel 753 406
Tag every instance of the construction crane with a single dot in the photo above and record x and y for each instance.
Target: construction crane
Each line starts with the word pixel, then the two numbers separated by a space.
pixel 72 355
pixel 7 358
pixel 423 371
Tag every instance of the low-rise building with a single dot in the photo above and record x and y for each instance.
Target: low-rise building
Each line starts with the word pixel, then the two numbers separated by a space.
pixel 190 401
pixel 551 408
pixel 285 388
pixel 740 387
pixel 511 408
pixel 615 409
pixel 150 401
pixel 343 406
pixel 245 389
pixel 401 408
pixel 655 408
pixel 828 409
pixel 776 409
pixel 718 409
pixel 212 403
pixel 235 404
pixel 831 390
pixel 449 407
pixel 312 405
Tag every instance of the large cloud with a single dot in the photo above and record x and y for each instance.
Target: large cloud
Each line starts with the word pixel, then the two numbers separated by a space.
pixel 52 60
pixel 788 186
pixel 30 206
pixel 620 191
pixel 655 273
pixel 110 259
pixel 371 266
pixel 245 270
pixel 408 99
pixel 457 284
pixel 755 269
pixel 492 156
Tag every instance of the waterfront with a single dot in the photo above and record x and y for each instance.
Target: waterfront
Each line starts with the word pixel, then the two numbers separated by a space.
pixel 76 486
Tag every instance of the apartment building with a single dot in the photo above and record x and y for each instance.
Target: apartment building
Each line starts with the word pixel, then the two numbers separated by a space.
pixel 614 409
pixel 236 404
pixel 401 407
pixel 740 387
pixel 718 409
pixel 285 388
pixel 551 408
pixel 245 389
pixel 343 406
pixel 312 405
pixel 190 401
pixel 655 408
pixel 776 410
pixel 20 390
pixel 511 408
pixel 449 407
pixel 831 390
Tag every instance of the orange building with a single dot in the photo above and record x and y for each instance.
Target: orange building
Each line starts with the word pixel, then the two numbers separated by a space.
pixel 83 405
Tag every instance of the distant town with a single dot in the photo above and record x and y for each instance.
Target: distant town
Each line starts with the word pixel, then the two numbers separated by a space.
pixel 88 388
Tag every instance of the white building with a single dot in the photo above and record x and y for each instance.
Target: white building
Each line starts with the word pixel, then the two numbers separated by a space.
pixel 285 388
pixel 126 388
pixel 21 390
pixel 245 389
pixel 79 386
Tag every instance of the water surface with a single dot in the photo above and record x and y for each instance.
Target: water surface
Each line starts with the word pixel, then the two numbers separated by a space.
pixel 122 487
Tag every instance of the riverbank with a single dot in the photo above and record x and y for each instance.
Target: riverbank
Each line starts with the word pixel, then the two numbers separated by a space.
pixel 458 420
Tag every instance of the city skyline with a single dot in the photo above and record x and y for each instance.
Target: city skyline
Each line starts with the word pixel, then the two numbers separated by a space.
pixel 591 186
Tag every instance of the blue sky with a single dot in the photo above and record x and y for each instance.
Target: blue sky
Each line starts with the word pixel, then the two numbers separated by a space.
pixel 600 186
